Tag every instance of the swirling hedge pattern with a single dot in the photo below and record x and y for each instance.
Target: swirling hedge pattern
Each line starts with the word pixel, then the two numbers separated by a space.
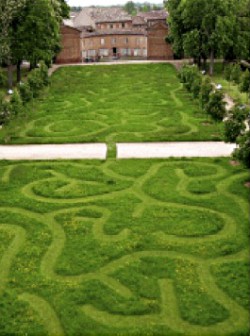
pixel 133 247
pixel 113 104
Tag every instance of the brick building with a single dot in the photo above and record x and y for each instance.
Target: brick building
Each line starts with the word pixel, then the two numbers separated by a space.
pixel 108 33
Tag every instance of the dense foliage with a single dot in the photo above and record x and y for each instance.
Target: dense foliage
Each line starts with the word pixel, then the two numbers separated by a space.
pixel 207 29
pixel 29 30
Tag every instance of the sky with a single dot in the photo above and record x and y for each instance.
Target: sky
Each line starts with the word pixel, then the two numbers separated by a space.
pixel 86 3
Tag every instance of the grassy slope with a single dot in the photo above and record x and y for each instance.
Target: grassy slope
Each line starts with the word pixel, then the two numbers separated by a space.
pixel 131 247
pixel 111 104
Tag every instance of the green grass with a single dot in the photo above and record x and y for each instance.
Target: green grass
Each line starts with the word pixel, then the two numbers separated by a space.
pixel 131 247
pixel 231 89
pixel 122 103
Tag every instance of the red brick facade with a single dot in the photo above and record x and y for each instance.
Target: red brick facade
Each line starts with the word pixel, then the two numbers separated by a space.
pixel 71 47
pixel 107 33
pixel 157 47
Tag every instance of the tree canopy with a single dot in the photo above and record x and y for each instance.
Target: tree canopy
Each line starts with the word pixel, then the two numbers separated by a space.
pixel 207 29
pixel 30 30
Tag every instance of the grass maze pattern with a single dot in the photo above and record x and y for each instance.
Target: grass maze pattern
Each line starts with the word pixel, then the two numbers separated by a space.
pixel 108 104
pixel 124 247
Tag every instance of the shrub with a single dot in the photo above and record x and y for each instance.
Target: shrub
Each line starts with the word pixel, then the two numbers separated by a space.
pixel 236 73
pixel 235 124
pixel 16 104
pixel 35 82
pixel 245 82
pixel 242 153
pixel 196 85
pixel 44 73
pixel 5 111
pixel 2 78
pixel 188 75
pixel 228 71
pixel 25 92
pixel 216 106
pixel 205 90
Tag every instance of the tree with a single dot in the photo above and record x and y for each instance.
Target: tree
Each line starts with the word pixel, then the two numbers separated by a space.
pixel 206 29
pixel 216 106
pixel 242 153
pixel 9 10
pixel 130 8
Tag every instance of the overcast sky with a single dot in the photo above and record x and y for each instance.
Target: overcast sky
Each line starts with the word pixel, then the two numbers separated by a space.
pixel 86 3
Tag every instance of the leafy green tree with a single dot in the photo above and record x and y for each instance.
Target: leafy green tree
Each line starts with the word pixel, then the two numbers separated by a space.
pixel 216 106
pixel 235 124
pixel 245 83
pixel 205 91
pixel 236 73
pixel 206 29
pixel 9 11
pixel 130 8
pixel 242 153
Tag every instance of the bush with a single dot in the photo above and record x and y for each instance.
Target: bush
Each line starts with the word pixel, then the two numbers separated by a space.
pixel 5 111
pixel 236 73
pixel 245 82
pixel 25 92
pixel 44 73
pixel 235 124
pixel 216 106
pixel 35 82
pixel 2 78
pixel 205 90
pixel 242 153
pixel 16 104
pixel 228 71
pixel 188 75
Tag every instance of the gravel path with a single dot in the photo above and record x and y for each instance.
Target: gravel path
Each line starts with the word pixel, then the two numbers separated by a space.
pixel 173 149
pixel 124 150
pixel 53 152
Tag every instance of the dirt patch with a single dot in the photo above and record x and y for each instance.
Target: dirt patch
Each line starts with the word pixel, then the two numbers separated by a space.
pixel 234 163
pixel 247 184
pixel 206 123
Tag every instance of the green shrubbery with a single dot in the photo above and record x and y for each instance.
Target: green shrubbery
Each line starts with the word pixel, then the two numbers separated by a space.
pixel 242 153
pixel 37 79
pixel 235 123
pixel 210 99
pixel 2 77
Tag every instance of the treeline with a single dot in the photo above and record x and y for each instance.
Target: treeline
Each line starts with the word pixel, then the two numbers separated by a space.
pixel 37 79
pixel 211 101
pixel 206 30
pixel 133 8
pixel 29 30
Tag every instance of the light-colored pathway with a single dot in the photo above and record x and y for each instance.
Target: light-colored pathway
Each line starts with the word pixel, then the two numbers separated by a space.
pixel 53 152
pixel 124 150
pixel 173 149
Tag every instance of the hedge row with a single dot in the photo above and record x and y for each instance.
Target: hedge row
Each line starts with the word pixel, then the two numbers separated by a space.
pixel 210 99
pixel 37 79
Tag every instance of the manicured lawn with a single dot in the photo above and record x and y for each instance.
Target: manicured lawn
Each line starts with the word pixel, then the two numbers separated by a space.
pixel 131 247
pixel 111 104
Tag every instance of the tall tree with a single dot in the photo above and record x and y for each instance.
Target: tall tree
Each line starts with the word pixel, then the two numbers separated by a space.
pixel 9 10
pixel 206 29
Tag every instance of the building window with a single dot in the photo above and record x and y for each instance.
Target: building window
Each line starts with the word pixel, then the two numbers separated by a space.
pixel 102 41
pixel 126 40
pixel 123 25
pixel 111 26
pixel 103 52
pixel 126 52
pixel 137 52
pixel 113 40
pixel 91 53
